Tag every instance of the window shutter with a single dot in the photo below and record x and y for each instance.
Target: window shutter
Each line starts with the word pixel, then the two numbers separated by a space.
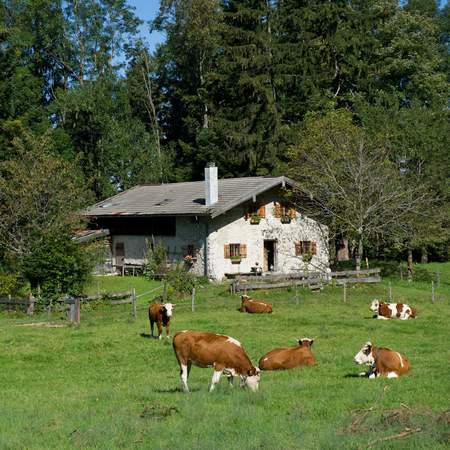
pixel 292 213
pixel 226 251
pixel 262 211
pixel 277 210
pixel 314 248
pixel 298 249
pixel 243 250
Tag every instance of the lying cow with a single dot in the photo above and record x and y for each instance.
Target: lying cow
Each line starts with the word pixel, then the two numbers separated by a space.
pixel 290 357
pixel 161 314
pixel 254 306
pixel 382 362
pixel 387 311
pixel 225 354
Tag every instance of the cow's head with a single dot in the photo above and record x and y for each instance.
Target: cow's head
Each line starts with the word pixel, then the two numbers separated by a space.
pixel 305 342
pixel 251 379
pixel 168 307
pixel 244 297
pixel 365 355
pixel 375 305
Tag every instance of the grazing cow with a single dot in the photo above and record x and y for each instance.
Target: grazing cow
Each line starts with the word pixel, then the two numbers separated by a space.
pixel 225 354
pixel 161 314
pixel 382 362
pixel 254 306
pixel 290 357
pixel 387 311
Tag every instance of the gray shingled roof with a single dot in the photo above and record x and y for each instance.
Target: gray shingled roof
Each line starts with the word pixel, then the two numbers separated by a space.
pixel 184 198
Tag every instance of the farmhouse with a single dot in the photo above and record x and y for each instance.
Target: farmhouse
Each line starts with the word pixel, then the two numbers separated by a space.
pixel 215 227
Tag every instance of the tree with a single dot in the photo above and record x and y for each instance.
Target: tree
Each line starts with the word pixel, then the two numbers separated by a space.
pixel 348 181
pixel 40 195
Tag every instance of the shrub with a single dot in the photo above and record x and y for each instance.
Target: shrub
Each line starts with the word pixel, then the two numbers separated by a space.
pixel 59 266
pixel 10 284
pixel 156 265
pixel 182 281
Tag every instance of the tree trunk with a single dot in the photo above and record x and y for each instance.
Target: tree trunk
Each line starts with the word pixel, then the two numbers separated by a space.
pixel 410 264
pixel 424 255
pixel 359 253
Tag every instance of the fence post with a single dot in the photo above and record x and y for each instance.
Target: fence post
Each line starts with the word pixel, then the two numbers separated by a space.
pixel 390 292
pixel 133 302
pixel 438 279
pixel 193 300
pixel 77 310
pixel 432 291
pixel 165 292
pixel 30 309
pixel 345 292
pixel 296 293
pixel 401 273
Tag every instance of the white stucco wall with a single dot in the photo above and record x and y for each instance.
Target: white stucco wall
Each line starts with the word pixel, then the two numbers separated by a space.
pixel 233 228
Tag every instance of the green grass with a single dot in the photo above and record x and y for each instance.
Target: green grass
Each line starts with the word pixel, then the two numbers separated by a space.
pixel 101 385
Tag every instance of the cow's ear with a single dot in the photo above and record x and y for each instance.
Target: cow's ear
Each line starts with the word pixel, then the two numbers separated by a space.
pixel 368 348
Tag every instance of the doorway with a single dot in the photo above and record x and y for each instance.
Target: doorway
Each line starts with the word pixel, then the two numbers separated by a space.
pixel 269 255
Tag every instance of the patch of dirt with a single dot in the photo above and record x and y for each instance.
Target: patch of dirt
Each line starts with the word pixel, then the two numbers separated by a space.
pixel 42 324
pixel 158 412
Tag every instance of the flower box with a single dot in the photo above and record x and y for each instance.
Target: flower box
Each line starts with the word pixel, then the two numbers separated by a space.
pixel 254 220
pixel 285 219
pixel 235 259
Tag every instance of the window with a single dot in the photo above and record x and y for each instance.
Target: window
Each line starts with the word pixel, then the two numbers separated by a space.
pixel 235 251
pixel 284 210
pixel 253 209
pixel 305 248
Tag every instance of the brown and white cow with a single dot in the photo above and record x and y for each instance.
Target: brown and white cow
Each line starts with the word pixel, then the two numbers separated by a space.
pixel 387 311
pixel 289 357
pixel 160 313
pixel 224 353
pixel 382 362
pixel 253 306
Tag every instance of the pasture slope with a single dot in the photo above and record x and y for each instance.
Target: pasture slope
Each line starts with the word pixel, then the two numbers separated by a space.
pixel 104 386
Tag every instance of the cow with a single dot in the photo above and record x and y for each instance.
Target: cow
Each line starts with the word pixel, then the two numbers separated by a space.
pixel 224 353
pixel 253 306
pixel 382 362
pixel 161 314
pixel 387 311
pixel 289 357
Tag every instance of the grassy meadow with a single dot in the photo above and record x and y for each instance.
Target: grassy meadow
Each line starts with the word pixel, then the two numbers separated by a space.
pixel 105 385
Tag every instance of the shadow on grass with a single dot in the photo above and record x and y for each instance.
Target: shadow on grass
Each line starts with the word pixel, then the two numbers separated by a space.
pixel 148 336
pixel 175 390
pixel 354 375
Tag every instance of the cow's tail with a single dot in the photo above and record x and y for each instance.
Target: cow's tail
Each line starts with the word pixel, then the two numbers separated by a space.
pixel 413 314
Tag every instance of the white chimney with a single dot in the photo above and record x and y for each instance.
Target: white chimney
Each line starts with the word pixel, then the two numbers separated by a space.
pixel 211 184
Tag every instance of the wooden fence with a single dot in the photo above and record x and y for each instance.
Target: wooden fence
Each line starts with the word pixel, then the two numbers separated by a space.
pixel 313 280
pixel 13 303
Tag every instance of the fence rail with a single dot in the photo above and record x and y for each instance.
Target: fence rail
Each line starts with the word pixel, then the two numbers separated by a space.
pixel 314 280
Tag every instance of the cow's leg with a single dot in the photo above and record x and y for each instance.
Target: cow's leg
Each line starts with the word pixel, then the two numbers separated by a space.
pixel 215 379
pixel 168 331
pixel 383 318
pixel 160 330
pixel 151 327
pixel 230 380
pixel 184 372
pixel 392 375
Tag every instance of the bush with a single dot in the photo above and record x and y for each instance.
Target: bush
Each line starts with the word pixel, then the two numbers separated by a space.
pixel 182 281
pixel 11 284
pixel 156 265
pixel 58 266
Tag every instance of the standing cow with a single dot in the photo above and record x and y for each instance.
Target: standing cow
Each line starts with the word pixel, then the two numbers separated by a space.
pixel 382 362
pixel 253 306
pixel 387 311
pixel 289 357
pixel 161 314
pixel 224 353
